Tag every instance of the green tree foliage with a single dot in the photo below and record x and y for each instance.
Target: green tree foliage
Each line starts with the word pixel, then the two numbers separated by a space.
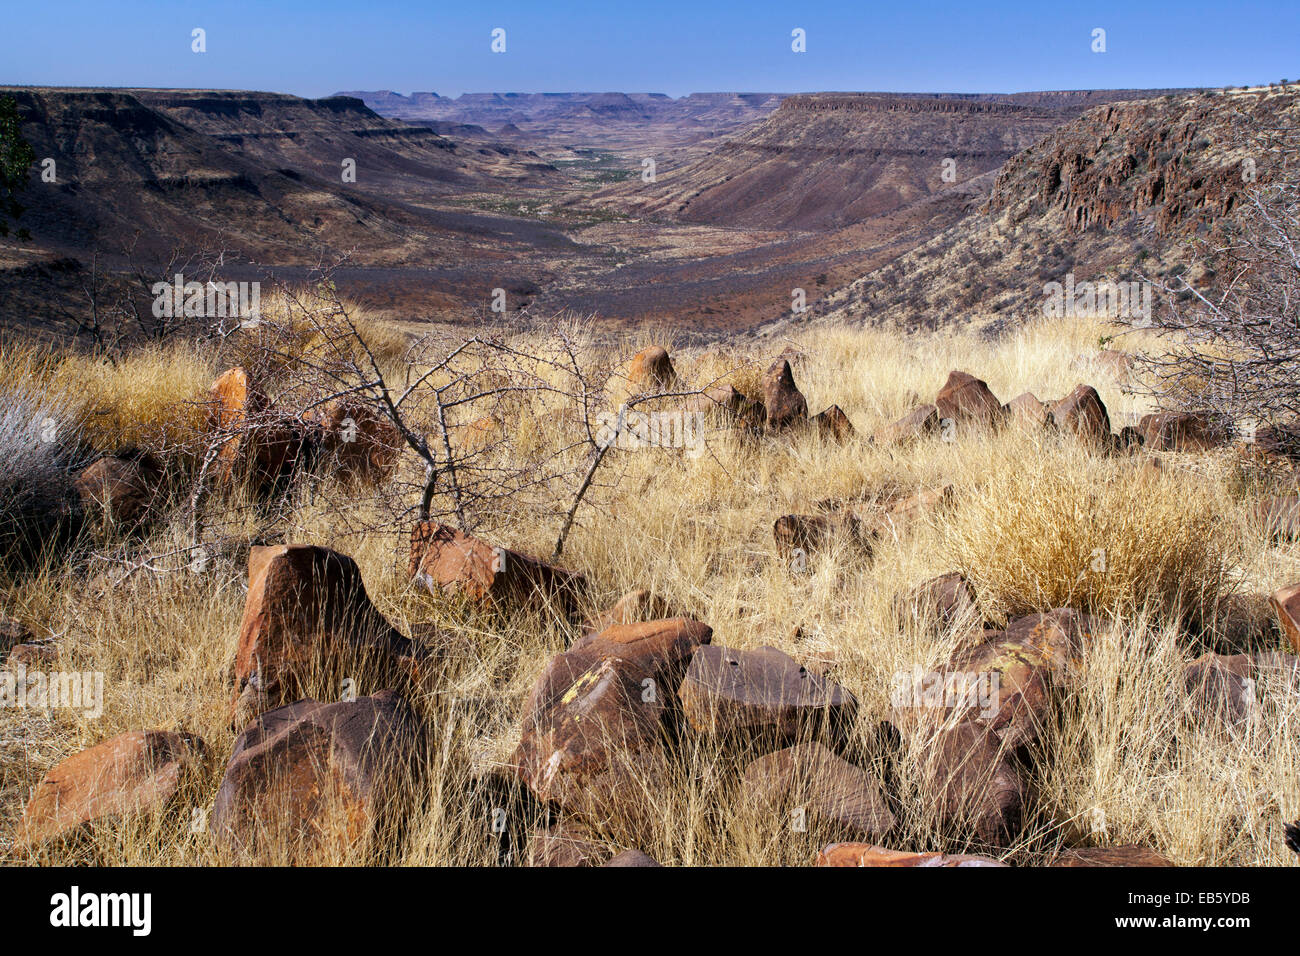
pixel 16 156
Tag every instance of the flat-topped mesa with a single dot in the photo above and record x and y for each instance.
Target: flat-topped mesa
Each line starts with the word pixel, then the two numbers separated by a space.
pixel 870 103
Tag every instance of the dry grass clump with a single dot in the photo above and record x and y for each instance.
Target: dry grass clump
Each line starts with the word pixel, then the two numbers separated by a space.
pixel 1067 528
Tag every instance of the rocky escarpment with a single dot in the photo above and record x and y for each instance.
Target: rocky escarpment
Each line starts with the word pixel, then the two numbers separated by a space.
pixel 1181 167
pixel 1114 193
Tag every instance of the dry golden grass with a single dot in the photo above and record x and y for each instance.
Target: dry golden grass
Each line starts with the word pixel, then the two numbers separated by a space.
pixel 1124 763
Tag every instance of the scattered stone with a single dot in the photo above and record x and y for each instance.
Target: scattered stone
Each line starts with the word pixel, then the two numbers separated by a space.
pixel 562 845
pixel 124 490
pixel 362 444
pixel 632 608
pixel 761 693
pixel 651 370
pixel 784 402
pixel 940 603
pixel 829 790
pixel 970 782
pixel 728 402
pixel 865 854
pixel 919 422
pixel 458 565
pixel 800 536
pixel 1083 413
pixel 633 858
pixel 307 615
pixel 258 443
pixel 134 773
pixel 594 724
pixel 967 400
pixel 1180 431
pixel 834 424
pixel 1026 410
pixel 1221 687
pixel 1130 855
pixel 1280 517
pixel 35 656
pixel 901 515
pixel 318 775
pixel 1286 604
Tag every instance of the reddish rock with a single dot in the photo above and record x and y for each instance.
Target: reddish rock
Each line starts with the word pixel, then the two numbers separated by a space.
pixel 461 566
pixel 829 790
pixel 633 858
pixel 127 491
pixel 967 400
pixel 632 608
pixel 562 845
pixel 761 693
pixel 593 730
pixel 359 443
pixel 315 775
pixel 784 402
pixel 1286 604
pixel 901 515
pixel 919 422
pixel 725 401
pixel 651 370
pixel 834 424
pixel 799 536
pixel 1180 431
pixel 970 784
pixel 865 854
pixel 38 655
pixel 940 603
pixel 1221 687
pixel 308 614
pixel 1128 856
pixel 256 441
pixel 137 772
pixel 1083 413
pixel 1026 410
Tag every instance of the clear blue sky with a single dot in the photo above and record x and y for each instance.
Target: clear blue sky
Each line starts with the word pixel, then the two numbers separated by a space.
pixel 665 46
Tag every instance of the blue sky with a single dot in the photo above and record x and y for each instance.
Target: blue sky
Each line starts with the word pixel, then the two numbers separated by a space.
pixel 317 48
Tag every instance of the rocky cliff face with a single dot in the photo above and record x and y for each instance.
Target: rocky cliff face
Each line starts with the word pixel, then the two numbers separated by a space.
pixel 1115 193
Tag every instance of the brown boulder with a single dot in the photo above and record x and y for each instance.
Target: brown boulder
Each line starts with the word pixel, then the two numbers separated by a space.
pixel 459 565
pixel 124 490
pixel 633 858
pixel 940 603
pixel 865 854
pixel 362 445
pixel 651 370
pixel 632 608
pixel 562 845
pixel 318 775
pixel 784 402
pixel 1026 410
pixel 12 634
pixel 1180 431
pixel 967 400
pixel 970 782
pixel 834 424
pixel 594 728
pixel 1083 413
pixel 727 402
pixel 307 616
pixel 254 440
pixel 133 773
pixel 800 536
pixel 919 422
pixel 761 693
pixel 1130 855
pixel 1286 605
pixel 829 790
